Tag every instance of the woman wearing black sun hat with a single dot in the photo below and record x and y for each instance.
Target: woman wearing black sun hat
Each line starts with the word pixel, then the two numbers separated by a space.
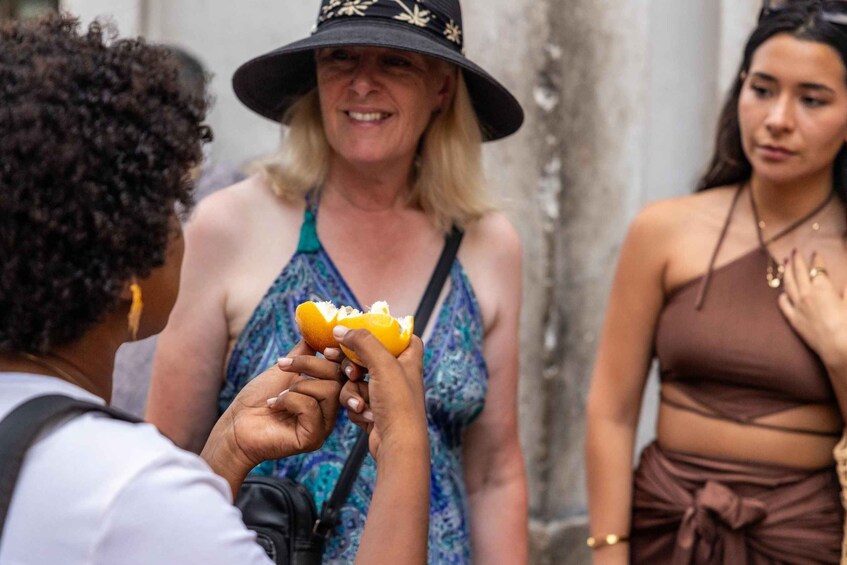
pixel 380 162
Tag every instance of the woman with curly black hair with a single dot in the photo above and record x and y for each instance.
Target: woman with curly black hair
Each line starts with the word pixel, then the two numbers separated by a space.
pixel 96 144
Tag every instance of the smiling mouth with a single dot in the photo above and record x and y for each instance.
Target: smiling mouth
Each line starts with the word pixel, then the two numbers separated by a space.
pixel 368 116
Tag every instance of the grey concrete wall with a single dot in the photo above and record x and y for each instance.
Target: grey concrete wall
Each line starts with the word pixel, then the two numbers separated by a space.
pixel 621 98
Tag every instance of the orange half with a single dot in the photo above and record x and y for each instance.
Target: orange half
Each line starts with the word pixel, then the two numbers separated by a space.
pixel 394 333
pixel 316 320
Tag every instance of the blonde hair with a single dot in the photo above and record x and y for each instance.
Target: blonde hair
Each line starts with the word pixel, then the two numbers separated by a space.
pixel 448 183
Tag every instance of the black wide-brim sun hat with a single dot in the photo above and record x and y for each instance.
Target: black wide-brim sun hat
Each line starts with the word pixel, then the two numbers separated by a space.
pixel 271 83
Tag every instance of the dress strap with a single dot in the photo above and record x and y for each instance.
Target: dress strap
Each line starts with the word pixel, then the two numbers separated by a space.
pixel 309 242
pixel 729 418
pixel 704 285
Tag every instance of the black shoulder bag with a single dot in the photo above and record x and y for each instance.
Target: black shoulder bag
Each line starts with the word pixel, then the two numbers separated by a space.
pixel 281 511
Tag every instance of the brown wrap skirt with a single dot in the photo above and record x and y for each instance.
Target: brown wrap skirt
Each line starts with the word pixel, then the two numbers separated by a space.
pixel 693 510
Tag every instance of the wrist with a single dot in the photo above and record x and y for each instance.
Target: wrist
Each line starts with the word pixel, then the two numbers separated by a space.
pixel 403 448
pixel 835 358
pixel 611 555
pixel 223 454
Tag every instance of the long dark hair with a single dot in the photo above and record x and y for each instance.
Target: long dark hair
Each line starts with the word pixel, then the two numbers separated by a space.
pixel 803 20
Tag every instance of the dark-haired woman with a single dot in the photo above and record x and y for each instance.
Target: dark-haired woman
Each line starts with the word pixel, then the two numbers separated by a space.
pixel 741 471
pixel 96 144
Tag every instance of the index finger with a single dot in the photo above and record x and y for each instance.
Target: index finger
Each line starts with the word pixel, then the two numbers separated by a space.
pixel 801 271
pixel 315 367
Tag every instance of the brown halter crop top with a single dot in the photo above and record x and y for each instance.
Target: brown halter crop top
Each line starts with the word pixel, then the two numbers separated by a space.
pixel 735 353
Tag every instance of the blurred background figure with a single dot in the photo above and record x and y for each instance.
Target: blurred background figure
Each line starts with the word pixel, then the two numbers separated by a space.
pixel 23 9
pixel 716 287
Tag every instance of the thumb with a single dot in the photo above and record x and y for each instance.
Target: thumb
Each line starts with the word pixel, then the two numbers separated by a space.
pixel 365 345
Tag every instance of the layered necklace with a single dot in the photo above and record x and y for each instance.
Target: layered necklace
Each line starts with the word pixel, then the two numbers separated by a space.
pixel 776 270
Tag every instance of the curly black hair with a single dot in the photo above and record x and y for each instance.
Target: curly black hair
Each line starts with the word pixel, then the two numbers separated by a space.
pixel 97 141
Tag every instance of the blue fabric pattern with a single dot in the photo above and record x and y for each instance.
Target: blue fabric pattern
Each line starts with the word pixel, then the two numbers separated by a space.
pixel 455 377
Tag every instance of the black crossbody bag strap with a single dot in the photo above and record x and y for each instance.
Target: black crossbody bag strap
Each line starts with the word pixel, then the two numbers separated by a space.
pixel 22 426
pixel 330 514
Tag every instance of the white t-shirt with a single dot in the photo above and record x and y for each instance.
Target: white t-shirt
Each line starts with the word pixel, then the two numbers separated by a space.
pixel 101 491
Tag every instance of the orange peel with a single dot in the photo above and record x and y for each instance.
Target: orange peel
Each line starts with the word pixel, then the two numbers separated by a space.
pixel 317 319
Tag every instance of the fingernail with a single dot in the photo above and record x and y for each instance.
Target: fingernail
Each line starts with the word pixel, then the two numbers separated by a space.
pixel 353 403
pixel 331 352
pixel 340 331
pixel 272 401
pixel 368 415
pixel 284 362
pixel 348 370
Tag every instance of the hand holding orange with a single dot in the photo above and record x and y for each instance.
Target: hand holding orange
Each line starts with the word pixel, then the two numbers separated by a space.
pixel 316 320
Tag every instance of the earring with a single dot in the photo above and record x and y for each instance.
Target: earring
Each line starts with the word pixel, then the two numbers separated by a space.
pixel 135 309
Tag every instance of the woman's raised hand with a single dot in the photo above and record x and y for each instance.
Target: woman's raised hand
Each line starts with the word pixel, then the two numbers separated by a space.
pixel 815 308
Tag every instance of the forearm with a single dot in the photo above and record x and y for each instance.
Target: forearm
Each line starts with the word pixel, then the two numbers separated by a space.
pixel 222 454
pixel 609 447
pixel 499 520
pixel 397 528
pixel 182 401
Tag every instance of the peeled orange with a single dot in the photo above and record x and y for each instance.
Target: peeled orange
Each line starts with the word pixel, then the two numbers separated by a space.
pixel 394 333
pixel 316 320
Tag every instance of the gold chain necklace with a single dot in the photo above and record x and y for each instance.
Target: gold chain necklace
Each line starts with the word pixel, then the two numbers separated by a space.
pixel 776 270
pixel 50 366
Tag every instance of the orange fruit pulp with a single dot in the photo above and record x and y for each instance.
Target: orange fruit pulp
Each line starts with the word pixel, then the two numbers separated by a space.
pixel 317 319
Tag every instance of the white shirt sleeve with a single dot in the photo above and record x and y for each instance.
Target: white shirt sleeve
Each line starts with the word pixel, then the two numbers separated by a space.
pixel 176 511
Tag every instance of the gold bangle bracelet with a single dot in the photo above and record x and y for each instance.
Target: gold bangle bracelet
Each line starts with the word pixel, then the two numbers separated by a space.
pixel 610 539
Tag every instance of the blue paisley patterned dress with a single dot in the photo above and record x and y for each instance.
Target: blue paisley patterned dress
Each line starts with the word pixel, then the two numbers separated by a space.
pixel 455 377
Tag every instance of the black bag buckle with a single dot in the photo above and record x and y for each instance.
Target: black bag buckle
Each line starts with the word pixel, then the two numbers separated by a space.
pixel 323 527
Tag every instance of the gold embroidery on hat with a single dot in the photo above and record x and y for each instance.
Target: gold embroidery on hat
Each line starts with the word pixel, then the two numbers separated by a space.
pixel 345 8
pixel 416 17
pixel 453 32
pixel 355 7
pixel 326 10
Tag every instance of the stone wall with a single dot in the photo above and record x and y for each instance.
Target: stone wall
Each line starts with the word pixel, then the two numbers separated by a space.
pixel 621 97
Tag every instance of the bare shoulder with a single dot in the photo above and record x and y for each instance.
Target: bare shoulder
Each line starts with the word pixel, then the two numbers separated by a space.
pixel 238 214
pixel 670 219
pixel 245 200
pixel 493 238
